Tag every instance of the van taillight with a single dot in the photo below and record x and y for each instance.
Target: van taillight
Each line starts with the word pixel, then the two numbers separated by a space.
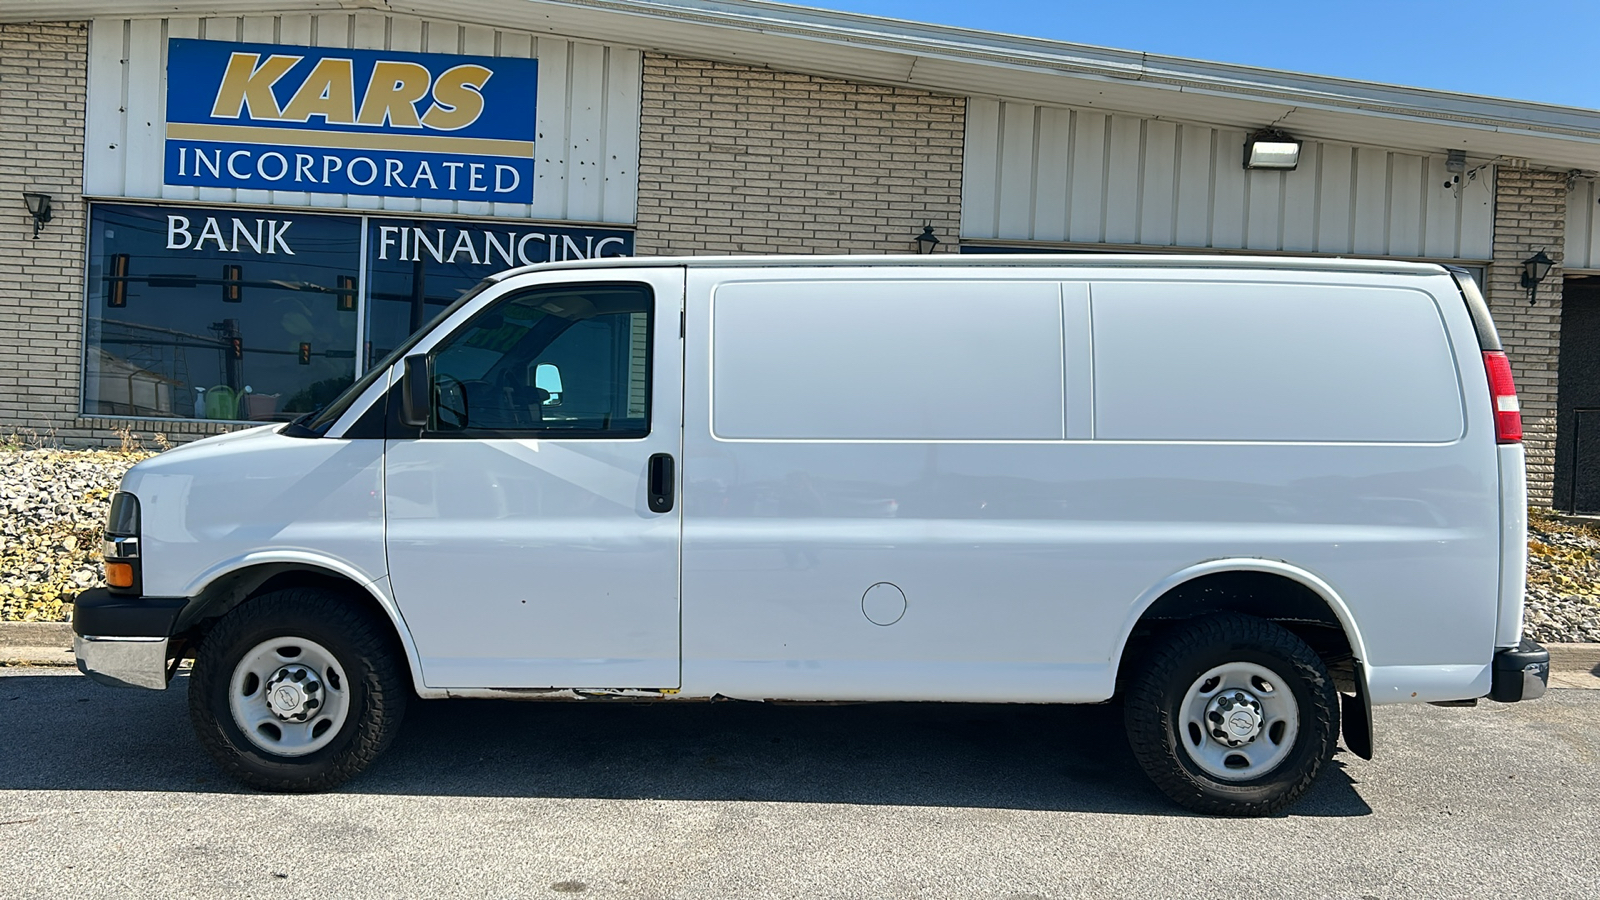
pixel 1507 414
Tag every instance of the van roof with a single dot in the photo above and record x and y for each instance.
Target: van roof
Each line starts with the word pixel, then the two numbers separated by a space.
pixel 986 260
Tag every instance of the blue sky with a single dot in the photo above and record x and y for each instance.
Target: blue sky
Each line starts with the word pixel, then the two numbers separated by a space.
pixel 1468 46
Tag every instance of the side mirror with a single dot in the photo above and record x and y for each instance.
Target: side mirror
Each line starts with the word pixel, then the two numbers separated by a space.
pixel 414 391
pixel 547 378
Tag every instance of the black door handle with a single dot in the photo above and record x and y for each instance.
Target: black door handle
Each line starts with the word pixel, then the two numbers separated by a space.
pixel 660 487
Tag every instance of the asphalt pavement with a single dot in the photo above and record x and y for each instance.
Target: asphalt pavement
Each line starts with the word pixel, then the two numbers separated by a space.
pixel 105 793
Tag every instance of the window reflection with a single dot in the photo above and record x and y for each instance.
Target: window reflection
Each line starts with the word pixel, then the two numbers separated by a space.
pixel 219 314
pixel 251 315
pixel 572 360
pixel 418 267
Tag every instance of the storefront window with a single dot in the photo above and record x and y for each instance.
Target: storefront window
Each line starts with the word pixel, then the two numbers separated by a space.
pixel 219 314
pixel 416 268
pixel 252 315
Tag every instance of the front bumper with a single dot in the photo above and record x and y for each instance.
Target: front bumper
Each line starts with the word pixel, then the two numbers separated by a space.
pixel 123 661
pixel 1520 673
pixel 122 640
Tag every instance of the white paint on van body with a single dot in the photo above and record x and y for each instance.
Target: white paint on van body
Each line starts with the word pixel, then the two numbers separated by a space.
pixel 208 507
pixel 1024 560
pixel 1020 560
pixel 536 563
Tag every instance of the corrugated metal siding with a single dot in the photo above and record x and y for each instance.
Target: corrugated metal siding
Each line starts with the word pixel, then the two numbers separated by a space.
pixel 1583 225
pixel 588 107
pixel 1041 173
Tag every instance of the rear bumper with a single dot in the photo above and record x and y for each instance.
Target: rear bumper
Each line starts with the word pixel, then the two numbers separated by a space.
pixel 1520 673
pixel 122 640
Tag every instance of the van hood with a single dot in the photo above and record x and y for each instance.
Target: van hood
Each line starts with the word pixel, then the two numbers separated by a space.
pixel 232 441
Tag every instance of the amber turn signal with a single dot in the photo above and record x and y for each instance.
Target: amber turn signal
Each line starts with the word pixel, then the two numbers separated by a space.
pixel 119 574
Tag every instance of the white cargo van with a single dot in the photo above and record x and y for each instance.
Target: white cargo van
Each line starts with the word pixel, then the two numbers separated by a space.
pixel 1226 491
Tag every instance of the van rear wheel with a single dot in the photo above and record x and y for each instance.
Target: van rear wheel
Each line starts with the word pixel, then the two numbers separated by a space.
pixel 296 691
pixel 1232 715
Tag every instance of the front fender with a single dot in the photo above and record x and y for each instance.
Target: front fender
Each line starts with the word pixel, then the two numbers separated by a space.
pixel 227 584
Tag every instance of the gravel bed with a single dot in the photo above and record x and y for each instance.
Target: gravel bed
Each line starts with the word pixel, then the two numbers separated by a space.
pixel 54 504
pixel 1563 599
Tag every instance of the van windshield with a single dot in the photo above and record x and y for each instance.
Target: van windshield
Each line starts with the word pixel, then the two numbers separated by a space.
pixel 316 423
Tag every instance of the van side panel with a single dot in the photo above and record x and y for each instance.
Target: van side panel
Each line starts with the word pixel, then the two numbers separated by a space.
pixel 1020 561
pixel 873 432
pixel 888 360
pixel 1272 362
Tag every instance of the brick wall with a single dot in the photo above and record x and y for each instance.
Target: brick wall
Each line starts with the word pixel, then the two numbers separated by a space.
pixel 43 68
pixel 734 159
pixel 42 71
pixel 1530 209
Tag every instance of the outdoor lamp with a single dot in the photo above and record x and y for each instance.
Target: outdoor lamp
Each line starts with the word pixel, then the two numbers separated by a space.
pixel 39 208
pixel 1534 270
pixel 1271 149
pixel 926 241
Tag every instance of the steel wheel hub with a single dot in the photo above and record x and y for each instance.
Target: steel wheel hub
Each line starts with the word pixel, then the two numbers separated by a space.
pixel 293 693
pixel 1238 721
pixel 1235 717
pixel 289 696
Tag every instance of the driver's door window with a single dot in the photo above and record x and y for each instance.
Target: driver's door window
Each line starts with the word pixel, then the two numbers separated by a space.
pixel 570 361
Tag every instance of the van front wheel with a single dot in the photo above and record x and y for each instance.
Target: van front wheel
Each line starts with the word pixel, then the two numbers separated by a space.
pixel 1232 715
pixel 296 690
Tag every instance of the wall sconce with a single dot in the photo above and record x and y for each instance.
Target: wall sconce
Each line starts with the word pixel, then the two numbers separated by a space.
pixel 926 241
pixel 39 208
pixel 1271 149
pixel 1534 270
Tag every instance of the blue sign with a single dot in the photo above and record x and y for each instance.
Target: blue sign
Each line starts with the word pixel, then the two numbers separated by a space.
pixel 381 122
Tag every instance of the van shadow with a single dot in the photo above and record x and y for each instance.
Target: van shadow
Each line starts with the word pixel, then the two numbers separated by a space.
pixel 65 733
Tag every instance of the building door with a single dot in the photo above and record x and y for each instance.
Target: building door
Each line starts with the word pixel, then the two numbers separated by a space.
pixel 1577 482
pixel 533 534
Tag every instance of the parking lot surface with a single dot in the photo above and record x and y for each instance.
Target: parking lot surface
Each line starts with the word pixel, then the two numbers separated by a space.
pixel 106 793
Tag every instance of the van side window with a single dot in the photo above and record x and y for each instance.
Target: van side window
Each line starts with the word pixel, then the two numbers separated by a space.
pixel 564 361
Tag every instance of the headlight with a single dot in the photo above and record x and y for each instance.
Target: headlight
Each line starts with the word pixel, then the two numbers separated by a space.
pixel 124 518
pixel 120 546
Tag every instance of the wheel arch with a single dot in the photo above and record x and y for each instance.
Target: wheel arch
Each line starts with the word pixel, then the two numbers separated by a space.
pixel 1178 596
pixel 228 586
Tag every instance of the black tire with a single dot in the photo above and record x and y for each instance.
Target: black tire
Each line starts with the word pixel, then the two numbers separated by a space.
pixel 1156 691
pixel 360 642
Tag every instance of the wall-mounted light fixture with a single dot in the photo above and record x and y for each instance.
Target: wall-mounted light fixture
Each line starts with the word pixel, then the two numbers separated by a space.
pixel 38 207
pixel 926 241
pixel 1271 149
pixel 1455 163
pixel 1534 270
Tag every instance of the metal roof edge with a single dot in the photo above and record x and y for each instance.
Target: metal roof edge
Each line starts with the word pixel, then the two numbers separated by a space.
pixel 962 45
pixel 996 260
pixel 898 35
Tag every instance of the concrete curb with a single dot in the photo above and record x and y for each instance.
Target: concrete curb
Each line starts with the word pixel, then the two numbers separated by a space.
pixel 1575 659
pixel 36 644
